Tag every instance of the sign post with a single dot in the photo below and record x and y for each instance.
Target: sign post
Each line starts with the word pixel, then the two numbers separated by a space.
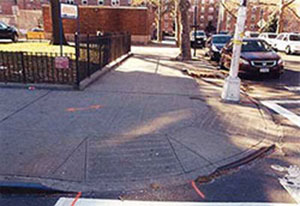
pixel 67 11
pixel 231 88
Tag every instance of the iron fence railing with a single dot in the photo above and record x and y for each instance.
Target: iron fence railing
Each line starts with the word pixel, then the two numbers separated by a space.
pixel 92 53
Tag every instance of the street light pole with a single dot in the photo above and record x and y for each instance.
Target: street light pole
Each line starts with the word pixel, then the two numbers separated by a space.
pixel 231 88
pixel 220 16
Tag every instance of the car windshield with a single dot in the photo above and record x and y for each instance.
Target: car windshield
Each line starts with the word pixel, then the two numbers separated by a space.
pixel 272 36
pixel 221 39
pixel 3 25
pixel 254 34
pixel 255 46
pixel 295 37
pixel 199 33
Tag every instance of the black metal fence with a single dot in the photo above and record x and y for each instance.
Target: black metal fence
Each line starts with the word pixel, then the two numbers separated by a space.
pixel 92 53
pixel 34 67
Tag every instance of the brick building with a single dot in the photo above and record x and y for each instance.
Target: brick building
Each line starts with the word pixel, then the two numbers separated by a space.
pixel 257 16
pixel 105 19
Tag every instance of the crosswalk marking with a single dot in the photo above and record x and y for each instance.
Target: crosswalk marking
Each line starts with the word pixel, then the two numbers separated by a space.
pixel 104 202
pixel 274 105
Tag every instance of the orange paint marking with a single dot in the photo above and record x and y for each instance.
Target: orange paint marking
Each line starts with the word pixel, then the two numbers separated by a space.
pixel 197 190
pixel 72 109
pixel 76 199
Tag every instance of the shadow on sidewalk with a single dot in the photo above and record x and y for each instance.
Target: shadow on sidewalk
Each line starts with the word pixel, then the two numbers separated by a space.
pixel 148 130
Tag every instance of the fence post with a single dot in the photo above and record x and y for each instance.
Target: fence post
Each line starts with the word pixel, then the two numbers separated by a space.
pixel 77 46
pixel 23 67
pixel 88 54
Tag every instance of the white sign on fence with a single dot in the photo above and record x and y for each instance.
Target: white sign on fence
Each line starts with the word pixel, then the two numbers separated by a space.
pixel 68 11
pixel 62 62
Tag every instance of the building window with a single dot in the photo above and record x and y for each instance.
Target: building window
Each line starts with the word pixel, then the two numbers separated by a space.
pixel 202 9
pixel 203 1
pixel 166 25
pixel 202 25
pixel 129 2
pixel 211 1
pixel 0 9
pixel 70 1
pixel 210 18
pixel 252 27
pixel 100 2
pixel 211 9
pixel 115 2
pixel 84 2
pixel 253 17
pixel 254 9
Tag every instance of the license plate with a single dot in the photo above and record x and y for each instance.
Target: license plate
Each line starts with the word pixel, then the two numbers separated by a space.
pixel 264 70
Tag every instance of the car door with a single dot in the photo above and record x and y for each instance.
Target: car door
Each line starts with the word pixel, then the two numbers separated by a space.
pixel 285 42
pixel 279 42
pixel 226 55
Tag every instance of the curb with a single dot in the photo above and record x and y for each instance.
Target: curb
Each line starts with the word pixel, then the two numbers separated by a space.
pixel 60 87
pixel 236 164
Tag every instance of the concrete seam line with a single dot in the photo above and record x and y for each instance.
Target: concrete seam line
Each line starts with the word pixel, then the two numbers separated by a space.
pixel 24 107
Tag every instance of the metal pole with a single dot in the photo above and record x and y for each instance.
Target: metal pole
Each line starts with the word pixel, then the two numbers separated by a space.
pixel 60 31
pixel 195 26
pixel 220 16
pixel 231 89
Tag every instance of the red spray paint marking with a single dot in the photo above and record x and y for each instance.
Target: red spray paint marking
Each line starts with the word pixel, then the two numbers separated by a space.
pixel 76 199
pixel 197 190
pixel 84 108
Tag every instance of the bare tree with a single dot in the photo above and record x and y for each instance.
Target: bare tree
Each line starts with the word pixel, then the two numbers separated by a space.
pixel 55 12
pixel 185 44
pixel 161 7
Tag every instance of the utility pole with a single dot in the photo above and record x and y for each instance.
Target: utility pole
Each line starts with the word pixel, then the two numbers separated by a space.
pixel 220 16
pixel 231 88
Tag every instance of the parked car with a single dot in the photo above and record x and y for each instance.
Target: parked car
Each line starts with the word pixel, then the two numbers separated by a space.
pixel 200 38
pixel 8 32
pixel 257 59
pixel 268 37
pixel 214 45
pixel 288 42
pixel 251 34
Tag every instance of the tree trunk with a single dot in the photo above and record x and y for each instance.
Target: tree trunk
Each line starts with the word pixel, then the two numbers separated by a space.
pixel 55 12
pixel 159 22
pixel 185 44
pixel 177 25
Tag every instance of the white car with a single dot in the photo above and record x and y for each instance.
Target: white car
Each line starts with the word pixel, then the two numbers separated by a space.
pixel 268 37
pixel 251 34
pixel 288 42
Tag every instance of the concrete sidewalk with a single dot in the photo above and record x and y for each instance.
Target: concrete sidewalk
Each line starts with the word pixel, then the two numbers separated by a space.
pixel 144 123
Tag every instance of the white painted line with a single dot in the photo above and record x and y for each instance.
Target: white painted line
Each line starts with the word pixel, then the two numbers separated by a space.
pixel 293 89
pixel 282 111
pixel 98 202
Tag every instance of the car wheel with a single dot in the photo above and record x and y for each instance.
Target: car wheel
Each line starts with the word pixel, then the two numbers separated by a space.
pixel 288 50
pixel 14 38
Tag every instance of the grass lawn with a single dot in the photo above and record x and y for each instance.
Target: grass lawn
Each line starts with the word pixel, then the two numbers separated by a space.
pixel 34 47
